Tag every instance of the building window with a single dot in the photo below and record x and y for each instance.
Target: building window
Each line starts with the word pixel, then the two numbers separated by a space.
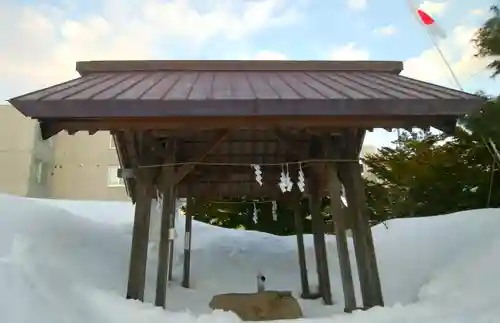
pixel 111 142
pixel 40 172
pixel 113 179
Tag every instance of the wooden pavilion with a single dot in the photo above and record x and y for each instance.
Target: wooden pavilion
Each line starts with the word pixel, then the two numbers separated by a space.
pixel 193 128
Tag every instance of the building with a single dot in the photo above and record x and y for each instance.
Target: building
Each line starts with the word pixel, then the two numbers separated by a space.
pixel 79 167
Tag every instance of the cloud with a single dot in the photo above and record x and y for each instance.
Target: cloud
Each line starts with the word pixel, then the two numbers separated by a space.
pixel 386 30
pixel 459 51
pixel 349 52
pixel 356 4
pixel 433 8
pixel 41 43
pixel 478 12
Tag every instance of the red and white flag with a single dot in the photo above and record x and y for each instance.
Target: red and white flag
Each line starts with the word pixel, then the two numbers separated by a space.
pixel 427 20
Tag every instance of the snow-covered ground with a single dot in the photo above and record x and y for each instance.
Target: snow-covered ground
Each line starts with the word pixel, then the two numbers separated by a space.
pixel 67 261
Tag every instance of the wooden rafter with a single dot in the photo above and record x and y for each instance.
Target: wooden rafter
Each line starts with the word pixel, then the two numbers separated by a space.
pixel 184 170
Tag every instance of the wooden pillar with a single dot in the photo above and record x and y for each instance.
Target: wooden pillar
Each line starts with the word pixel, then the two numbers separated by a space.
pixel 190 212
pixel 140 235
pixel 168 193
pixel 339 220
pixel 338 216
pixel 319 243
pixel 371 289
pixel 299 228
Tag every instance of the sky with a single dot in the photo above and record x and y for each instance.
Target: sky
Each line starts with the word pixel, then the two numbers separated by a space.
pixel 40 41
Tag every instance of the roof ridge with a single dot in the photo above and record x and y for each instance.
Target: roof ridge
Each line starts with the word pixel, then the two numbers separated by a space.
pixel 87 67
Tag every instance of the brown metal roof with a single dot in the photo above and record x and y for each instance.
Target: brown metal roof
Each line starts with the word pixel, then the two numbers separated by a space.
pixel 241 88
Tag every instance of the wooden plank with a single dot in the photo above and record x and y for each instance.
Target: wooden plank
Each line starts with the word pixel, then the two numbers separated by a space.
pixel 140 236
pixel 299 228
pixel 190 213
pixel 167 187
pixel 184 170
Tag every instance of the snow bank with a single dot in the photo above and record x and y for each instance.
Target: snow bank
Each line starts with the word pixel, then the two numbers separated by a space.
pixel 67 261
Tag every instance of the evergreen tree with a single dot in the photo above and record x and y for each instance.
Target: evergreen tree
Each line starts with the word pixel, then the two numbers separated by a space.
pixel 487 39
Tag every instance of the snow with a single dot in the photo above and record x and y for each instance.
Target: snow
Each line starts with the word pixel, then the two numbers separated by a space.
pixel 67 261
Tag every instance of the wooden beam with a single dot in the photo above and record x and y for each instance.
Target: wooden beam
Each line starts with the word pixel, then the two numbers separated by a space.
pixel 130 143
pixel 167 187
pixel 140 236
pixel 191 209
pixel 338 216
pixel 184 170
pixel 261 122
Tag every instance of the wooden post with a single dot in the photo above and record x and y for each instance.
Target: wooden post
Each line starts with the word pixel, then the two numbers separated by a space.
pixel 299 228
pixel 164 247
pixel 319 243
pixel 140 235
pixel 168 192
pixel 190 212
pixel 339 220
pixel 172 240
pixel 338 216
pixel 371 289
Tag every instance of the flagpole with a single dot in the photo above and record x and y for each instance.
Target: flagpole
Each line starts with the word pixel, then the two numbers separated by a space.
pixel 490 145
pixel 436 45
